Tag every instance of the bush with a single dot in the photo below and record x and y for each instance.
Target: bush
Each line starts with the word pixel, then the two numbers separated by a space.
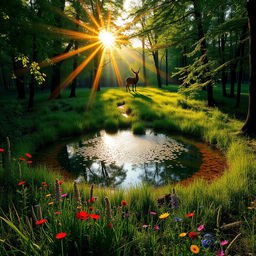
pixel 138 128
pixel 111 125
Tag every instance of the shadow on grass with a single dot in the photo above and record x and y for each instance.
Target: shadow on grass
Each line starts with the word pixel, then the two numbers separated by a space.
pixel 138 95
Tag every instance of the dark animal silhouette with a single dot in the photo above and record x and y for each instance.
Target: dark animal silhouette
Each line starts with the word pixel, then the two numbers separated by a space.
pixel 132 81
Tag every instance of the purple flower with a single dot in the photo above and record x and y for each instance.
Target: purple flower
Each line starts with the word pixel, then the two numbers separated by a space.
pixel 64 195
pixel 127 214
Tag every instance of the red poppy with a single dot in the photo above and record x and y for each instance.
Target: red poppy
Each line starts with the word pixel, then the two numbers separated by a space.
pixel 60 182
pixel 21 183
pixel 95 216
pixel 91 199
pixel 60 235
pixel 82 215
pixel 45 185
pixel 110 225
pixel 90 208
pixel 190 214
pixel 193 235
pixel 56 212
pixel 28 155
pixel 124 203
pixel 22 159
pixel 39 222
pixel 29 162
pixel 2 150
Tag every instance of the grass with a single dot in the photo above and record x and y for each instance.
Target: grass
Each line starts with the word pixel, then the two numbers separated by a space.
pixel 224 201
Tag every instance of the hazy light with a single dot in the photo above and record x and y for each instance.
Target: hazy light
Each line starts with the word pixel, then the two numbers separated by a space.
pixel 106 38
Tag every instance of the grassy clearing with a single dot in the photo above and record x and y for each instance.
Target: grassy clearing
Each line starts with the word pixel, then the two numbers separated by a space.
pixel 226 199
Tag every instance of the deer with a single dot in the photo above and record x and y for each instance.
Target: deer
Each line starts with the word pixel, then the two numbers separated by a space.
pixel 132 80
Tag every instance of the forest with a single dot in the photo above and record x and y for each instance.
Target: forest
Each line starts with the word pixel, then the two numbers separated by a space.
pixel 127 127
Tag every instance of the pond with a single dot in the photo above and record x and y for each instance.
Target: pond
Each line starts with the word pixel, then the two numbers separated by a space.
pixel 124 160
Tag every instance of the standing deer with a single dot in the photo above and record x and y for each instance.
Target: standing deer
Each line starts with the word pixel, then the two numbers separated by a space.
pixel 132 81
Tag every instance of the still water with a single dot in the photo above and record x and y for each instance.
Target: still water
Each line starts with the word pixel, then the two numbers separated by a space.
pixel 124 159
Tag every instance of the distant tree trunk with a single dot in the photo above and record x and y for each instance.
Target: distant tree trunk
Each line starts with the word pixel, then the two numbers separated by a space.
pixel 74 82
pixel 20 85
pixel 32 80
pixel 233 66
pixel 201 35
pixel 166 67
pixel 3 78
pixel 144 63
pixel 156 61
pixel 223 71
pixel 249 127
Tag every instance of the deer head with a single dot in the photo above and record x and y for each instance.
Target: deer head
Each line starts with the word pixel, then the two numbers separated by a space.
pixel 136 73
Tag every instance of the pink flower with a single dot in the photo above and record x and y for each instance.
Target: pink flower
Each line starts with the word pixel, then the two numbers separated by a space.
pixel 64 195
pixel 153 213
pixel 200 228
pixel 2 150
pixel 224 242
pixel 220 253
pixel 21 183
pixel 156 227
pixel 56 212
pixel 28 155
pixel 145 226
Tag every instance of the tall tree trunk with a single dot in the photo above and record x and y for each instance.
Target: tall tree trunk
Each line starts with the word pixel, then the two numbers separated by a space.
pixel 201 36
pixel 223 71
pixel 74 82
pixel 156 61
pixel 144 63
pixel 249 127
pixel 166 67
pixel 20 85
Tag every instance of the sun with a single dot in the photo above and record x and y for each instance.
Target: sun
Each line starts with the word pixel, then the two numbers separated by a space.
pixel 107 38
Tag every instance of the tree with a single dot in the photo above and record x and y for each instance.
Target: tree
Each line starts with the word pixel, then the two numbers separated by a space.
pixel 249 128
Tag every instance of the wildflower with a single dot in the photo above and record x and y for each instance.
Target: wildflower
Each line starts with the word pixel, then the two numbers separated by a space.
pixel 22 159
pixel 51 203
pixel 177 219
pixel 56 213
pixel 224 242
pixel 220 253
pixel 153 213
pixel 200 228
pixel 48 195
pixel 164 215
pixel 21 183
pixel 60 235
pixel 254 202
pixel 208 241
pixel 124 203
pixel 193 235
pixel 95 216
pixel 39 222
pixel 194 249
pixel 43 182
pixel 60 182
pixel 145 226
pixel 2 150
pixel 79 207
pixel 29 162
pixel 64 195
pixel 182 234
pixel 126 214
pixel 82 215
pixel 250 207
pixel 45 185
pixel 90 208
pixel 91 199
pixel 28 155
pixel 110 225
pixel 190 214
pixel 156 227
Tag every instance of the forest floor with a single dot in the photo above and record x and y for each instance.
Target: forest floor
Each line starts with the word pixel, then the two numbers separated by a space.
pixel 132 229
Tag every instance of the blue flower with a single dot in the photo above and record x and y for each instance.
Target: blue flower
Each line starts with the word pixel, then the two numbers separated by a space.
pixel 208 241
pixel 177 219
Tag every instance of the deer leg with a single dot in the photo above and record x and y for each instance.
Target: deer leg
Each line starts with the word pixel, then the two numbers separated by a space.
pixel 135 87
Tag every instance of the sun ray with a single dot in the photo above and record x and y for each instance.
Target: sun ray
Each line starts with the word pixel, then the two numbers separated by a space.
pixel 80 23
pixel 70 33
pixel 75 73
pixel 109 20
pixel 66 55
pixel 100 16
pixel 116 69
pixel 90 15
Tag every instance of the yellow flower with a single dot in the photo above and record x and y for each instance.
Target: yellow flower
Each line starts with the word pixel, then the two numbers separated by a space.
pixel 48 195
pixel 51 203
pixel 79 207
pixel 182 234
pixel 254 202
pixel 194 249
pixel 250 207
pixel 164 215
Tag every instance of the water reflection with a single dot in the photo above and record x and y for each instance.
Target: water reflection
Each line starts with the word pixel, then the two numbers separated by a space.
pixel 124 160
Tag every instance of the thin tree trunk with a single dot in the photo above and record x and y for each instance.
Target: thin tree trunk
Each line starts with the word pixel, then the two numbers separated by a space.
pixel 74 82
pixel 223 71
pixel 156 61
pixel 20 85
pixel 144 63
pixel 249 127
pixel 166 67
pixel 201 36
